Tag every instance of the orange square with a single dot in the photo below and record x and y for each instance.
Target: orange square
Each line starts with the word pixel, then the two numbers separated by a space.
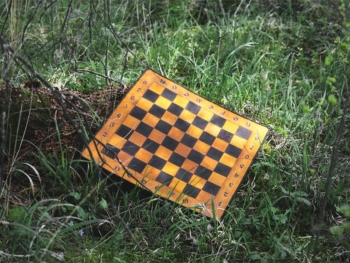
pixel 204 197
pixel 181 101
pixel 170 168
pixel 164 153
pixel 176 133
pixel 227 159
pixel 155 87
pixel 157 136
pixel 183 150
pixel 137 138
pixel 143 155
pixel 151 120
pixel 212 129
pixel 164 103
pixel 189 166
pixel 204 114
pixel 220 144
pixel 201 147
pixel 169 118
pixel 197 181
pixel 194 131
pixel 177 185
pixel 187 116
pixel 209 163
pixel 217 179
pixel 131 122
pixel 145 104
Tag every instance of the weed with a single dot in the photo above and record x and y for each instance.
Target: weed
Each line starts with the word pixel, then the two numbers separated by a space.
pixel 285 65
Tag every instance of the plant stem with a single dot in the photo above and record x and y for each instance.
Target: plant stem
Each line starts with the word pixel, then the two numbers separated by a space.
pixel 3 117
pixel 331 172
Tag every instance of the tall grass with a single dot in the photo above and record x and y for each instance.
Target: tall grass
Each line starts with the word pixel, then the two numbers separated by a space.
pixel 287 69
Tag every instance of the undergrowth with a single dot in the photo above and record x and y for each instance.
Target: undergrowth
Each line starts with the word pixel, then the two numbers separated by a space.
pixel 285 66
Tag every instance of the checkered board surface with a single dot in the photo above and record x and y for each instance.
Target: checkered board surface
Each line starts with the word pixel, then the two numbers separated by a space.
pixel 177 144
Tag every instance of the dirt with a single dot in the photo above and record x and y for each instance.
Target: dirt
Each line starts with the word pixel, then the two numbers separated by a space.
pixel 36 123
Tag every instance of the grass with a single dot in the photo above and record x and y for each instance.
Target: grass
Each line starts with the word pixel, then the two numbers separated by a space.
pixel 286 69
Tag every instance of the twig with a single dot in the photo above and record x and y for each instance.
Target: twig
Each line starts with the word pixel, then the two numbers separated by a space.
pixel 66 17
pixel 109 25
pixel 60 98
pixel 100 75
pixel 30 20
pixel 3 116
pixel 107 48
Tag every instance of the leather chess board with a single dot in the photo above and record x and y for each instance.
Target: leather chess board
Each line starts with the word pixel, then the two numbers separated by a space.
pixel 177 144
